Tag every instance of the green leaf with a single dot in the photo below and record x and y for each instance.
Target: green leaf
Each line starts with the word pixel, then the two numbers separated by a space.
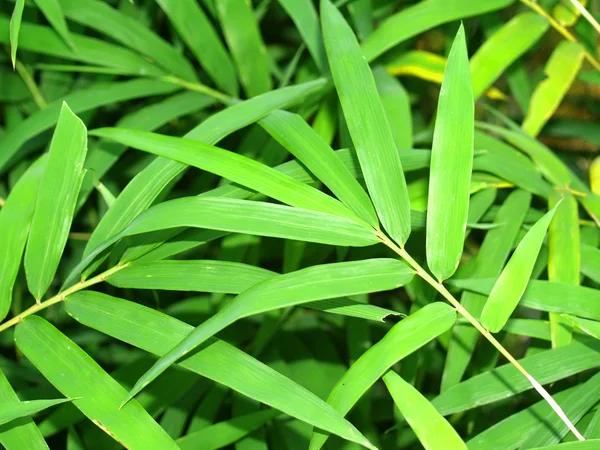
pixel 351 308
pixel 227 432
pixel 367 124
pixel 139 194
pixel 15 27
pixel 493 253
pixel 590 444
pixel 75 374
pixel 433 431
pixel 246 45
pixel 305 144
pixel 79 101
pixel 421 17
pixel 217 360
pixel 54 14
pixel 44 40
pixel 403 339
pixel 15 410
pixel 100 16
pixel 22 433
pixel 451 164
pixel 55 203
pixel 513 280
pixel 303 286
pixel 203 276
pixel 199 34
pixel 305 18
pixel 539 329
pixel 590 262
pixel 505 381
pixel 550 296
pixel 561 70
pixel 564 255
pixel 237 168
pixel 591 327
pixel 15 220
pixel 504 47
pixel 396 104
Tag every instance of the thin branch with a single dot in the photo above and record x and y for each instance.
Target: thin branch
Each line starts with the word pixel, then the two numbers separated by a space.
pixel 585 13
pixel 463 312
pixel 38 98
pixel 562 30
pixel 61 296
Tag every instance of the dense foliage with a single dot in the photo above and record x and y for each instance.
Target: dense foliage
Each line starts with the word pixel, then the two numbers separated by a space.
pixel 289 225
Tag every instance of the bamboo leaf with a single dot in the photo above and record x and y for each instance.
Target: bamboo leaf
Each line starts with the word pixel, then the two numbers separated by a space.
pixel 421 17
pixel 561 70
pixel 564 259
pixel 227 432
pixel 305 144
pixel 451 164
pixel 16 410
pixel 15 220
pixel 504 47
pixel 367 123
pixel 589 444
pixel 202 276
pixel 217 360
pixel 305 18
pixel 400 341
pixel 15 27
pixel 22 433
pixel 79 102
pixel 590 262
pixel 396 104
pixel 303 286
pixel 55 204
pixel 53 12
pixel 591 327
pixel 433 431
pixel 204 42
pixel 96 394
pixel 513 280
pixel 237 168
pixel 139 194
pixel 246 45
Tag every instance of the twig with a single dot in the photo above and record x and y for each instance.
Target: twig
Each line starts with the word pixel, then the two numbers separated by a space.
pixel 38 98
pixel 61 296
pixel 585 13
pixel 561 29
pixel 199 87
pixel 462 311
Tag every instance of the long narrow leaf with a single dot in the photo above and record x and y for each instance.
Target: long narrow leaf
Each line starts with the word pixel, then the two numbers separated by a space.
pixel 15 28
pixel 367 123
pixel 12 411
pixel 55 203
pixel 53 12
pixel 451 164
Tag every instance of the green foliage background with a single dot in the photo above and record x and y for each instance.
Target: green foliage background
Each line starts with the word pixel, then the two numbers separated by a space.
pixel 284 224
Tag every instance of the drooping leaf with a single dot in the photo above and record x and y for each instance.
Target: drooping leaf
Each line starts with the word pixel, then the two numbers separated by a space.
pixel 15 220
pixel 217 360
pixel 246 45
pixel 403 339
pixel 55 204
pixel 303 286
pixel 433 431
pixel 451 164
pixel 561 70
pixel 198 275
pixel 367 123
pixel 15 28
pixel 237 168
pixel 74 373
pixel 591 327
pixel 513 280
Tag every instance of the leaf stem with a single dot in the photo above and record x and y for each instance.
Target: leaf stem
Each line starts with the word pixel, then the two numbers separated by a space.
pixel 473 321
pixel 61 296
pixel 202 88
pixel 38 98
pixel 585 13
pixel 561 29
